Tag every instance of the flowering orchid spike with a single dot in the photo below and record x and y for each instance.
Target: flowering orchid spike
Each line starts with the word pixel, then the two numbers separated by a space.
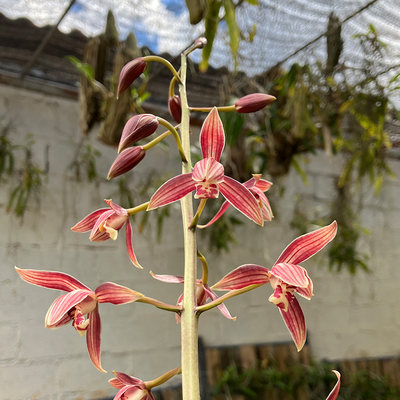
pixel 105 224
pixel 335 391
pixel 78 302
pixel 208 177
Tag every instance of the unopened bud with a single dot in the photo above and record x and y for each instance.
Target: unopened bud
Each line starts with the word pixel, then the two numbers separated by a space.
pixel 175 108
pixel 137 127
pixel 200 42
pixel 125 161
pixel 129 73
pixel 253 102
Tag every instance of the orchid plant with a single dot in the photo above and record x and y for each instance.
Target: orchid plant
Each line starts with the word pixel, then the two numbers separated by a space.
pixel 207 179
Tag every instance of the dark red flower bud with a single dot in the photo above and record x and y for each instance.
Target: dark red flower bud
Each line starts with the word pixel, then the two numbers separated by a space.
pixel 129 73
pixel 175 108
pixel 253 102
pixel 125 161
pixel 137 127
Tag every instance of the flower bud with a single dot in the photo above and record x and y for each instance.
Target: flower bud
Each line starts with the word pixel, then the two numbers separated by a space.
pixel 125 161
pixel 200 42
pixel 129 73
pixel 137 127
pixel 175 108
pixel 253 102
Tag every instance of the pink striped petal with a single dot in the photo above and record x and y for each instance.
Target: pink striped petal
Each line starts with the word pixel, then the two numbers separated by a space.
pixel 335 391
pixel 245 275
pixel 209 170
pixel 242 199
pixel 292 274
pixel 131 393
pixel 218 215
pixel 110 292
pixel 212 136
pixel 129 380
pixel 263 185
pixel 93 339
pixel 95 232
pixel 172 190
pixel 294 320
pixel 307 245
pixel 118 209
pixel 257 182
pixel 129 246
pixel 222 307
pixel 121 392
pixel 306 292
pixel 87 223
pixel 50 279
pixel 63 304
pixel 63 321
pixel 168 278
pixel 115 382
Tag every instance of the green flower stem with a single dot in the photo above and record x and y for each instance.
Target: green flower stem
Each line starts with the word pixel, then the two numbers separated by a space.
pixel 135 210
pixel 204 276
pixel 166 63
pixel 171 90
pixel 208 109
pixel 157 140
pixel 163 378
pixel 172 129
pixel 196 218
pixel 226 296
pixel 189 319
pixel 159 304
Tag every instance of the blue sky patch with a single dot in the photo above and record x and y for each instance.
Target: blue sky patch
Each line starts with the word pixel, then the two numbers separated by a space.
pixel 77 7
pixel 177 7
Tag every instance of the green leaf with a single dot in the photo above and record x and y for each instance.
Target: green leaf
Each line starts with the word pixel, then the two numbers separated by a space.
pixel 211 26
pixel 86 69
pixel 233 29
pixel 253 2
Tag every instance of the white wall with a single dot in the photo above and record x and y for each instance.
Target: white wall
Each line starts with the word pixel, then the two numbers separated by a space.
pixel 348 316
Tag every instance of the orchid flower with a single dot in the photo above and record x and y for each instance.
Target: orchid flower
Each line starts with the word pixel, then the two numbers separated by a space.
pixel 131 388
pixel 286 278
pixel 207 177
pixel 203 293
pixel 105 223
pixel 78 302
pixel 257 187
